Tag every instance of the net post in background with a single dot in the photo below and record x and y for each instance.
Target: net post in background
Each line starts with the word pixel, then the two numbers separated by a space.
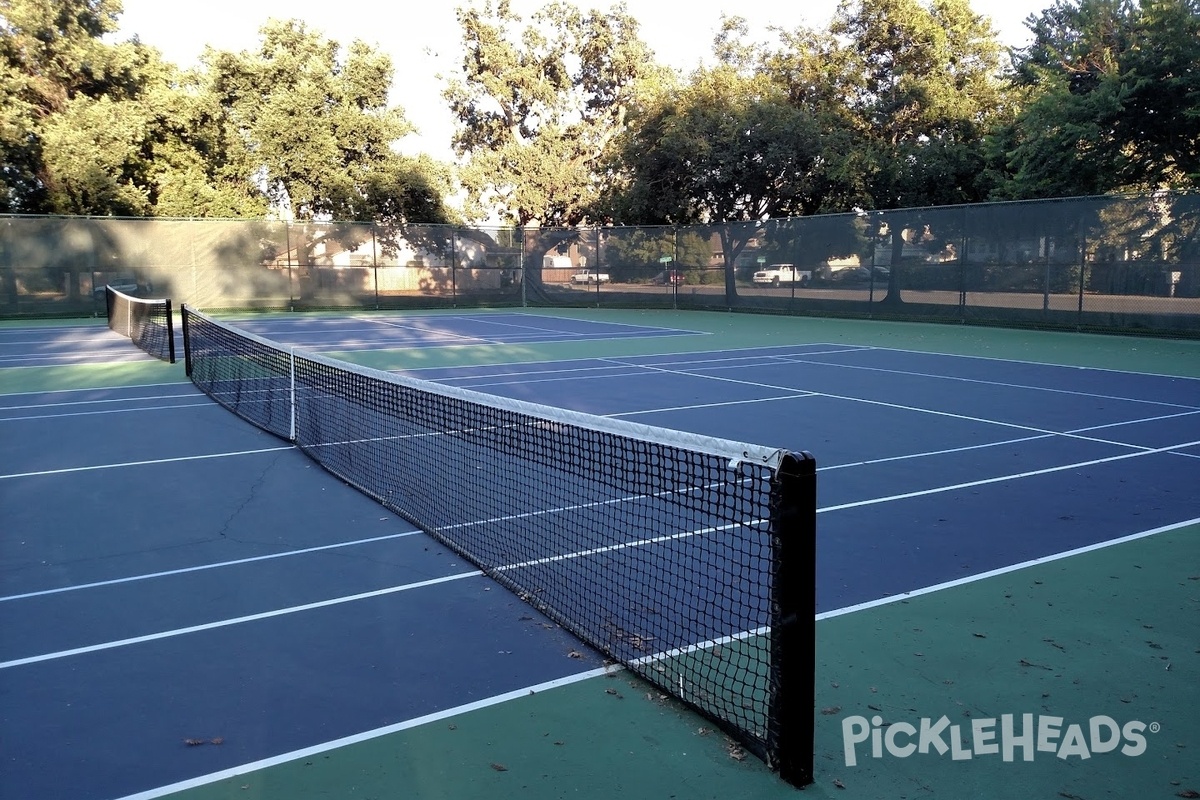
pixel 187 350
pixel 148 323
pixel 791 742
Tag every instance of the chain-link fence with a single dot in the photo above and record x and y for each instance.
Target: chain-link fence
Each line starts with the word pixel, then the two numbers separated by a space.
pixel 1105 263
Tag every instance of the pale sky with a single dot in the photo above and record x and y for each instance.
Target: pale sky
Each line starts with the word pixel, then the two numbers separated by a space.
pixel 423 39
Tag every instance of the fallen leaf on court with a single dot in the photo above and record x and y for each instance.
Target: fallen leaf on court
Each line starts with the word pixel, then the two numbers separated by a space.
pixel 217 740
pixel 831 710
pixel 979 635
pixel 1189 793
pixel 838 784
pixel 194 742
pixel 574 654
pixel 499 768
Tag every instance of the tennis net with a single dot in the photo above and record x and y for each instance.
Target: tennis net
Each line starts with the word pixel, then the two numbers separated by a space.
pixel 147 322
pixel 686 558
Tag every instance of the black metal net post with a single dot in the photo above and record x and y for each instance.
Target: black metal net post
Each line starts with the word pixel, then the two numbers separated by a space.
pixel 790 740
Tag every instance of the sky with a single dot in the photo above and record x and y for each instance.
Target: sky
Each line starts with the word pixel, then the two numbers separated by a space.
pixel 424 41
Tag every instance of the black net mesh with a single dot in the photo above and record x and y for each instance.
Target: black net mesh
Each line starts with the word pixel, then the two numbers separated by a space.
pixel 653 546
pixel 148 323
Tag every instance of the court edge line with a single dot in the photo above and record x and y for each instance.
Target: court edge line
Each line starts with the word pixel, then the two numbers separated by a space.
pixel 1015 476
pixel 937 587
pixel 571 340
pixel 317 749
pixel 101 401
pixel 202 567
pixel 97 388
pixel 802 359
pixel 145 463
pixel 283 758
pixel 847 347
pixel 224 623
pixel 103 411
pixel 903 407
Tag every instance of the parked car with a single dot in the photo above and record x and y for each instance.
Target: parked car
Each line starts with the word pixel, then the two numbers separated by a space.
pixel 669 276
pixel 779 274
pixel 587 276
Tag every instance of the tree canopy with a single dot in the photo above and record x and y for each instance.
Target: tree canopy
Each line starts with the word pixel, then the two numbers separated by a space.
pixel 539 104
pixel 300 126
pixel 1113 100
pixel 566 117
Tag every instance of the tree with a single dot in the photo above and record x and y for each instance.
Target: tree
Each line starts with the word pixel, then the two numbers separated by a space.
pixel 922 82
pixel 538 107
pixel 309 121
pixel 728 150
pixel 314 124
pixel 1113 88
pixel 51 55
pixel 89 127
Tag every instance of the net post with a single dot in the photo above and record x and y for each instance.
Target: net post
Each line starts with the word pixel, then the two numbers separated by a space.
pixel 170 332
pixel 790 736
pixel 292 394
pixel 187 347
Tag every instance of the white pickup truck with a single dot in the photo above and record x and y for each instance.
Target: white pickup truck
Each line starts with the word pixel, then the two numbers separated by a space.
pixel 778 274
pixel 587 276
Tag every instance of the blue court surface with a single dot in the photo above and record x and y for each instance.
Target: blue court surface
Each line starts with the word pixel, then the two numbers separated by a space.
pixel 173 574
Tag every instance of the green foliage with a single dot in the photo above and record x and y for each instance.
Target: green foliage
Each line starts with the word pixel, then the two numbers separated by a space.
pixel 922 84
pixel 539 105
pixel 88 127
pixel 1114 100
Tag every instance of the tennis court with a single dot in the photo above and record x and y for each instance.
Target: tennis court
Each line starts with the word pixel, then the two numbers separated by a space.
pixel 1008 524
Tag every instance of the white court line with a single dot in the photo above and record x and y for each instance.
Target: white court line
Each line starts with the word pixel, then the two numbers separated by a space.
pixel 576 339
pixel 937 587
pixel 1015 476
pixel 67 470
pixel 710 405
pixel 568 373
pixel 203 567
pixel 208 626
pixel 346 741
pixel 484 320
pixel 96 389
pixel 296 755
pixel 125 356
pixel 1035 363
pixel 557 370
pixel 884 404
pixel 802 360
pixel 1004 442
pixel 559 557
pixel 102 411
pixel 426 331
pixel 607 323
pixel 104 400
